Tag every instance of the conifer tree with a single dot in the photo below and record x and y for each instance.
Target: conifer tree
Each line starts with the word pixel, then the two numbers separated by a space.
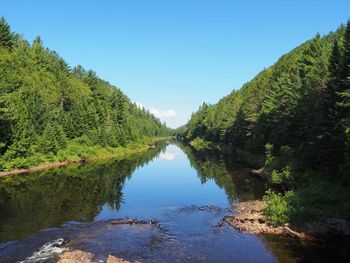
pixel 344 99
pixel 24 137
pixel 48 141
pixel 60 136
pixel 334 84
pixel 6 37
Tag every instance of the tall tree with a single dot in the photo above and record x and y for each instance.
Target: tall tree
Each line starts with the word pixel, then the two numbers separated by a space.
pixel 344 99
pixel 6 36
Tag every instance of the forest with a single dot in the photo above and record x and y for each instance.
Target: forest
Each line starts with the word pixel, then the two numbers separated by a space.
pixel 294 116
pixel 50 111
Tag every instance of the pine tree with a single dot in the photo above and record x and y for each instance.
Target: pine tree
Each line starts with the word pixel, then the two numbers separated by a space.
pixel 24 137
pixel 60 136
pixel 333 85
pixel 325 147
pixel 6 37
pixel 343 104
pixel 343 101
pixel 48 141
pixel 345 71
pixel 120 109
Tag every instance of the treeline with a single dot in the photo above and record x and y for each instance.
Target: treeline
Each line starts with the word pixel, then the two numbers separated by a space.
pixel 296 113
pixel 45 105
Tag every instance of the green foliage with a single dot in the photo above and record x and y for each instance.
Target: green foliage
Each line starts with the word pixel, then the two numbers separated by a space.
pixel 48 141
pixel 279 206
pixel 300 102
pixel 44 104
pixel 199 143
pixel 314 200
pixel 6 37
pixel 297 113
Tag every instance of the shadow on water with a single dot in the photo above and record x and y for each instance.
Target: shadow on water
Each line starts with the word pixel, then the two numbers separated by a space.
pixel 187 191
pixel 328 249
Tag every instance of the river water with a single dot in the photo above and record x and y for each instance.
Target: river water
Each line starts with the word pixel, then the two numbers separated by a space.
pixel 185 191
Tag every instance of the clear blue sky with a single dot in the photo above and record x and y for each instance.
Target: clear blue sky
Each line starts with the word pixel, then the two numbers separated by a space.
pixel 174 55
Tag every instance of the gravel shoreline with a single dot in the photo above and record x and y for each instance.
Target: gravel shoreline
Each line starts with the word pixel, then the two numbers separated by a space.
pixel 249 217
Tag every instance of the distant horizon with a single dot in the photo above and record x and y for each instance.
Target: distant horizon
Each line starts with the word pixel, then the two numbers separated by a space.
pixel 172 57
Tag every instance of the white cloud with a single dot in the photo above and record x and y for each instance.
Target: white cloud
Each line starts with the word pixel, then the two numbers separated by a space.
pixel 168 114
pixel 161 114
pixel 167 156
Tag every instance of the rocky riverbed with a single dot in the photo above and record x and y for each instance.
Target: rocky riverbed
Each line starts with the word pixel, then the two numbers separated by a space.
pixel 249 217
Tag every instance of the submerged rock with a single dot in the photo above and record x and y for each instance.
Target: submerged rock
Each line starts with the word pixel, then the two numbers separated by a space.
pixel 132 221
pixel 78 256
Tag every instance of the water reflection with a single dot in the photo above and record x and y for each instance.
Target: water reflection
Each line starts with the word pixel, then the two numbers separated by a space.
pixel 76 193
pixel 227 173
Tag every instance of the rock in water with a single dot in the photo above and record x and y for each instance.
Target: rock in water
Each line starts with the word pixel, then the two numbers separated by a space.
pixel 76 256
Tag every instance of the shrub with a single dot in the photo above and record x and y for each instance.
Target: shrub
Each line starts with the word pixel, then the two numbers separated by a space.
pixel 279 208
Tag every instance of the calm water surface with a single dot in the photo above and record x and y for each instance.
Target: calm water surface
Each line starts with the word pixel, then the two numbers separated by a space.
pixel 187 192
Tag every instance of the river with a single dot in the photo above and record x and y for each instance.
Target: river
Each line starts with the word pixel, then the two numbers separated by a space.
pixel 185 191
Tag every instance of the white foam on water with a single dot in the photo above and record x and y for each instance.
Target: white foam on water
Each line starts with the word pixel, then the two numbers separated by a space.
pixel 47 251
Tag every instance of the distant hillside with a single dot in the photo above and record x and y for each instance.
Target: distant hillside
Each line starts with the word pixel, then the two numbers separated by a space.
pixel 45 105
pixel 296 113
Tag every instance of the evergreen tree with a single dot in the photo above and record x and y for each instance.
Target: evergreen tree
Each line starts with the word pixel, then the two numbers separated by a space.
pixel 343 104
pixel 345 70
pixel 6 37
pixel 24 137
pixel 60 136
pixel 326 146
pixel 333 85
pixel 48 140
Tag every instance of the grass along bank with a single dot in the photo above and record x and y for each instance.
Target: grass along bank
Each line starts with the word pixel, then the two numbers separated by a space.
pixel 75 152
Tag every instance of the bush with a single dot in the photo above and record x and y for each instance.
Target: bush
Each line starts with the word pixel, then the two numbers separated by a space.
pixel 285 177
pixel 279 208
pixel 317 199
pixel 281 167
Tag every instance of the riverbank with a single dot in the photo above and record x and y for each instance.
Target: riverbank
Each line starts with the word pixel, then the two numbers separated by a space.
pixel 292 197
pixel 250 218
pixel 83 154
